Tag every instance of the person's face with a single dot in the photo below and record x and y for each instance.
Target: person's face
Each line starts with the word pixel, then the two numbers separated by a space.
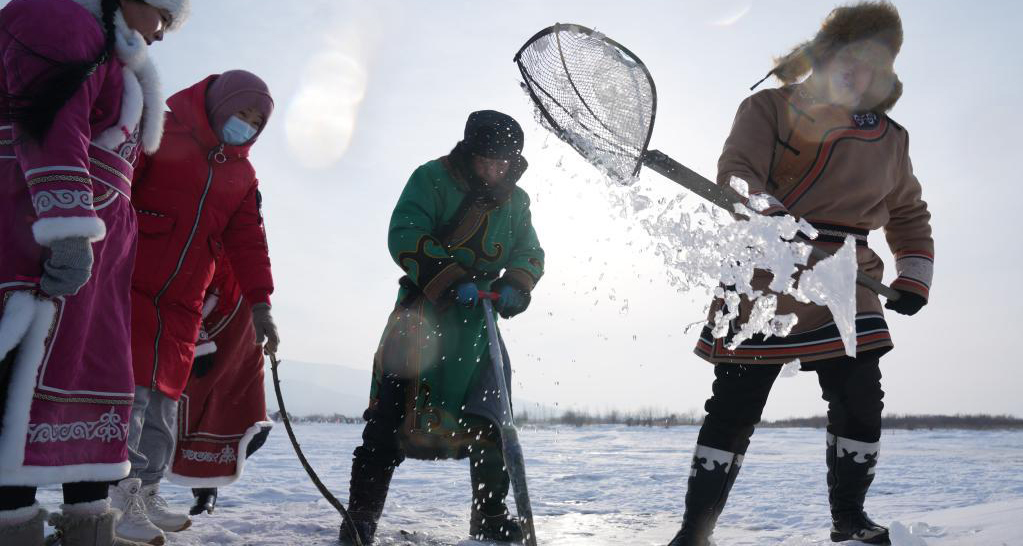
pixel 850 73
pixel 147 20
pixel 491 171
pixel 253 117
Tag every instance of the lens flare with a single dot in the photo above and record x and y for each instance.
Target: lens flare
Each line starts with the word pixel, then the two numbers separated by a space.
pixel 323 114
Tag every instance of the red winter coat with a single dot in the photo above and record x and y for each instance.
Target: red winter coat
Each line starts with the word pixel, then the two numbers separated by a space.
pixel 222 415
pixel 191 194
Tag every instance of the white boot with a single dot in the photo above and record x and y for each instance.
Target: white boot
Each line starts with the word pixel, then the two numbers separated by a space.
pixel 23 526
pixel 134 524
pixel 159 512
pixel 87 524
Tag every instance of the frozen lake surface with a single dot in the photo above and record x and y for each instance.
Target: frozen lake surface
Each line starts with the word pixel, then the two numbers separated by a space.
pixel 615 485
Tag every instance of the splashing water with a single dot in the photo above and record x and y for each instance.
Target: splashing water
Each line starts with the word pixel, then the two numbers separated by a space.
pixel 707 249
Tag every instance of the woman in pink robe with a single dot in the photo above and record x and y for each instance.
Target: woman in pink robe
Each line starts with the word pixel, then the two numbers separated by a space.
pixel 80 98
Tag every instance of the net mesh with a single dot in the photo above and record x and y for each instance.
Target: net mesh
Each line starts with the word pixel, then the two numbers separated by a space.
pixel 592 93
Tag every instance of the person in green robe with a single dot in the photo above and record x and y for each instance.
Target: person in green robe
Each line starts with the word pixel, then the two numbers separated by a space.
pixel 461 226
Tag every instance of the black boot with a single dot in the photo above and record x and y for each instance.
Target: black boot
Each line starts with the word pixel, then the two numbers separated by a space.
pixel 850 472
pixel 489 518
pixel 205 500
pixel 371 479
pixel 710 479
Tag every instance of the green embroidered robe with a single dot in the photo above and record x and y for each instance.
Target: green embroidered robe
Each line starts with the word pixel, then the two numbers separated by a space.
pixel 444 232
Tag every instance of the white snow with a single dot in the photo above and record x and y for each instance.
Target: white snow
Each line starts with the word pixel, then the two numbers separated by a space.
pixel 611 485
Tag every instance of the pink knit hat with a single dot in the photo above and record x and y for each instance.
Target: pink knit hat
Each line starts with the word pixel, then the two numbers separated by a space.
pixel 234 91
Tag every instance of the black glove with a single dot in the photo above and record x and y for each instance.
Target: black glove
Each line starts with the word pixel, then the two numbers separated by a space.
pixel 202 365
pixel 907 304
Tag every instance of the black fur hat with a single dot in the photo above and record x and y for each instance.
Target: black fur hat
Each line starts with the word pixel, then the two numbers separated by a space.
pixel 494 135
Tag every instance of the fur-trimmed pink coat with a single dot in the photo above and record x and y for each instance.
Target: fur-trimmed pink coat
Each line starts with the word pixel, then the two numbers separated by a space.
pixel 65 417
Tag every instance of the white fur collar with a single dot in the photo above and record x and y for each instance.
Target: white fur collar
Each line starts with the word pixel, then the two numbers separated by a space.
pixel 143 98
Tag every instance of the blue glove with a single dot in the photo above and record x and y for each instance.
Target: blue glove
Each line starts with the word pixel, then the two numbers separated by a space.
pixel 511 302
pixel 467 295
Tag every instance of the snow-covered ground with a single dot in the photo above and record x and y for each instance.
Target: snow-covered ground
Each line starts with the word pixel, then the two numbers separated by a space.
pixel 612 485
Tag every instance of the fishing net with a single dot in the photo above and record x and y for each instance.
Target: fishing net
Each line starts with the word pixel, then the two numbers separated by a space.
pixel 593 93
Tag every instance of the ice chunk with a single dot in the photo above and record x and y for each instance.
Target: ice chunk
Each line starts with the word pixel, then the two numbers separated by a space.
pixel 740 186
pixel 832 282
pixel 758 202
pixel 760 320
pixel 791 369
pixel 902 536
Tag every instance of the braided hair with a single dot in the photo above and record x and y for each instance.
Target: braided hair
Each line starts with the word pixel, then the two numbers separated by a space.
pixel 35 109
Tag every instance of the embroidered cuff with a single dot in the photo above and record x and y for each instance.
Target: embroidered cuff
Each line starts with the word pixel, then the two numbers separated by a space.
pixel 916 271
pixel 441 282
pixel 520 278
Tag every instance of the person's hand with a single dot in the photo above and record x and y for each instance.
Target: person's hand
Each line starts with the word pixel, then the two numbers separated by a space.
pixel 203 364
pixel 512 298
pixel 907 304
pixel 266 330
pixel 467 294
pixel 512 301
pixel 68 268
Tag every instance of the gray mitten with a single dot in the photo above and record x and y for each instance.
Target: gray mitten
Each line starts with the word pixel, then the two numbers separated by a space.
pixel 266 330
pixel 68 268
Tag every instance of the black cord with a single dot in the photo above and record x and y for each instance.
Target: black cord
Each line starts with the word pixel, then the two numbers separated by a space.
pixel 301 457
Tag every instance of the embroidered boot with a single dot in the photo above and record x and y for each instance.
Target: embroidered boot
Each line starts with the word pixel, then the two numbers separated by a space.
pixel 489 518
pixel 159 513
pixel 22 526
pixel 711 477
pixel 850 473
pixel 134 524
pixel 371 480
pixel 87 524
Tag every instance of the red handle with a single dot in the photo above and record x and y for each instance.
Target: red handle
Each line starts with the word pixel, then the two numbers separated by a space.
pixel 493 296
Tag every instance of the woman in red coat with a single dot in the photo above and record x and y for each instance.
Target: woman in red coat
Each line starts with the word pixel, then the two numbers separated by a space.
pixel 222 412
pixel 196 199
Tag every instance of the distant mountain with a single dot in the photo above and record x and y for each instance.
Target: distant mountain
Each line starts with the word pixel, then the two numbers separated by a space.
pixel 312 388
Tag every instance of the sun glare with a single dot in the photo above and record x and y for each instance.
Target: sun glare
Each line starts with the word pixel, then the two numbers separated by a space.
pixel 323 114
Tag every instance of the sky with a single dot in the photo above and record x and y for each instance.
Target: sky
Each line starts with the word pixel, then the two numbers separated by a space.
pixel 367 91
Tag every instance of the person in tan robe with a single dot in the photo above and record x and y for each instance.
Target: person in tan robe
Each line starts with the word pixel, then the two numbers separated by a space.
pixel 825 150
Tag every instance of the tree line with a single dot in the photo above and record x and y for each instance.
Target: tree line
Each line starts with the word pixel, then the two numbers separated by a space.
pixel 656 418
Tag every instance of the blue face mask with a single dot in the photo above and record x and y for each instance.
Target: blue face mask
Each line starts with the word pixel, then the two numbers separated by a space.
pixel 236 132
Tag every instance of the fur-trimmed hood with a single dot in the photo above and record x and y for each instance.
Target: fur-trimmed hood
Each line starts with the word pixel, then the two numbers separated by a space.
pixel 867 28
pixel 179 9
pixel 143 96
